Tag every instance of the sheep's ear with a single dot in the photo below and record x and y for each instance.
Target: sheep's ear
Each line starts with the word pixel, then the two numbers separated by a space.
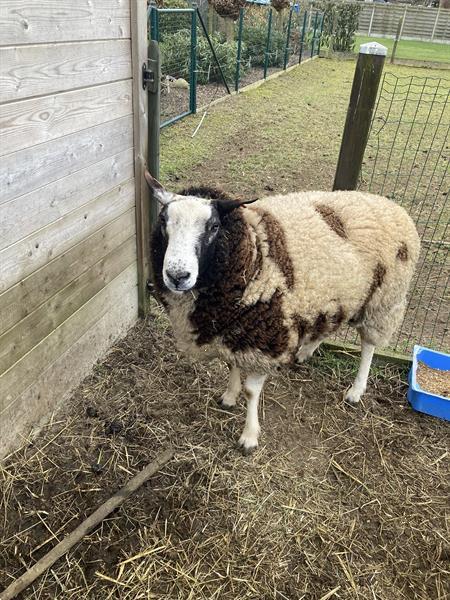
pixel 158 191
pixel 226 206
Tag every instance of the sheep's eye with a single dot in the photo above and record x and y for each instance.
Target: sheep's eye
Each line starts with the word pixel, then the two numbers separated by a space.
pixel 162 219
pixel 214 227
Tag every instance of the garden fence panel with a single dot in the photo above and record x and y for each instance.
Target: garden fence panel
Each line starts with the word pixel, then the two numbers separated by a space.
pixel 204 56
pixel 407 160
pixel 420 22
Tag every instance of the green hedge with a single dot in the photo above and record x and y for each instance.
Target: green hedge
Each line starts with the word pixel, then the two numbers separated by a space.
pixel 175 57
pixel 254 37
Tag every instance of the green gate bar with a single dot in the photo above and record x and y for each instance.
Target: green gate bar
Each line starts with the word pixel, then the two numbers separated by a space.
pixel 320 35
pixel 288 39
pixel 239 50
pixel 193 70
pixel 154 23
pixel 302 39
pixel 314 34
pixel 269 33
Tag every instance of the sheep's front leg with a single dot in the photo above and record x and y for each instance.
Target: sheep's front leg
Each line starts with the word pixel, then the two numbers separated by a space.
pixel 252 389
pixel 358 388
pixel 228 399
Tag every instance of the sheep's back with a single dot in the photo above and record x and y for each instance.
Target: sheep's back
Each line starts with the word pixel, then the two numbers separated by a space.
pixel 341 244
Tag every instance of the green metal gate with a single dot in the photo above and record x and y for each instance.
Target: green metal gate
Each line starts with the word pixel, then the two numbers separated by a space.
pixel 175 30
pixel 204 56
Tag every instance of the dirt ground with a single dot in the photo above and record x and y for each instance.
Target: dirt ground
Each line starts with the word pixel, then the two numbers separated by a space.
pixel 337 503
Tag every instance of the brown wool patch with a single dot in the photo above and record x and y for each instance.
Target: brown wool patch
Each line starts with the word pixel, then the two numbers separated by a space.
pixel 218 310
pixel 332 220
pixel 258 260
pixel 319 327
pixel 302 327
pixel 379 274
pixel 260 327
pixel 276 240
pixel 337 319
pixel 402 252
pixel 203 191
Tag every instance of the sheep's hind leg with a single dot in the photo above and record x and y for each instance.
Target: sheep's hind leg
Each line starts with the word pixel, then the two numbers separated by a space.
pixel 228 399
pixel 358 388
pixel 252 389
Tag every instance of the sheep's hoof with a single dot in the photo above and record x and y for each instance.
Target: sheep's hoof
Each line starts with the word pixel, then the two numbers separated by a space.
pixel 352 398
pixel 225 406
pixel 227 401
pixel 247 444
pixel 248 451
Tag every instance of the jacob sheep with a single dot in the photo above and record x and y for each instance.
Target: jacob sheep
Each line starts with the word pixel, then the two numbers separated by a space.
pixel 263 285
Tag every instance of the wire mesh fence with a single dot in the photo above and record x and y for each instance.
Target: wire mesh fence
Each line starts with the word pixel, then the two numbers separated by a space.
pixel 205 56
pixel 407 159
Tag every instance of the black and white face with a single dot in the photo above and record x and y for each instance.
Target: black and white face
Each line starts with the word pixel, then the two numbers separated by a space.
pixel 190 226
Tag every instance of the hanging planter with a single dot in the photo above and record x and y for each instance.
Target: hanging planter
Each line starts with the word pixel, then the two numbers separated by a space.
pixel 228 9
pixel 279 5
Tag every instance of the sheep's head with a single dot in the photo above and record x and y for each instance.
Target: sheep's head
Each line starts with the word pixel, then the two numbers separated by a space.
pixel 191 225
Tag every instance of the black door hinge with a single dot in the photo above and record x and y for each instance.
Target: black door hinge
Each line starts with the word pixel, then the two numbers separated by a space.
pixel 148 76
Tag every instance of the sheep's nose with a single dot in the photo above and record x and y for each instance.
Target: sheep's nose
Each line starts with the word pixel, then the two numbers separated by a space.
pixel 179 277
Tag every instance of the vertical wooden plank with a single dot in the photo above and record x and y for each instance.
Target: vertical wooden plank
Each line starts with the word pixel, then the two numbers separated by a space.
pixel 397 37
pixel 438 12
pixel 140 123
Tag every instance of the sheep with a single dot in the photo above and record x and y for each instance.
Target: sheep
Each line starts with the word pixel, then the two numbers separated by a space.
pixel 262 285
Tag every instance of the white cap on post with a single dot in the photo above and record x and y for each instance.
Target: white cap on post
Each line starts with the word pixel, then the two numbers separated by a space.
pixel 373 48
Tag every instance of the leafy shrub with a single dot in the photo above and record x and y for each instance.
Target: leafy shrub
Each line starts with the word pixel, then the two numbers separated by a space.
pixel 175 54
pixel 340 24
pixel 254 38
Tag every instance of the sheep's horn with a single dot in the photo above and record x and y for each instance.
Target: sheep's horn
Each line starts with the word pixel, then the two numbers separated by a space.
pixel 158 191
pixel 226 206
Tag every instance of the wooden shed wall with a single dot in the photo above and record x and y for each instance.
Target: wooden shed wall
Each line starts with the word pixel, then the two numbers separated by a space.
pixel 68 269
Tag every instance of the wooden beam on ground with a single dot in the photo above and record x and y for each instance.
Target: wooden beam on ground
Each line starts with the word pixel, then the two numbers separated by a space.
pixel 382 356
pixel 86 526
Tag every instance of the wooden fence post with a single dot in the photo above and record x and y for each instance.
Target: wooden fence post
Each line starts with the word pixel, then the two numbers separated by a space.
pixel 371 20
pixel 397 38
pixel 403 20
pixel 359 114
pixel 435 23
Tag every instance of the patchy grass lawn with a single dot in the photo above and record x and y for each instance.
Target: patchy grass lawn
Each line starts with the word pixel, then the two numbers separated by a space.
pixel 282 136
pixel 410 49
